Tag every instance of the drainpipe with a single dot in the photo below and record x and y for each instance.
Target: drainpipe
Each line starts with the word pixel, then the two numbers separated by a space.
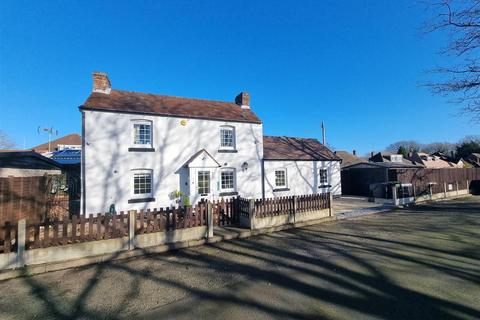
pixel 263 179
pixel 82 166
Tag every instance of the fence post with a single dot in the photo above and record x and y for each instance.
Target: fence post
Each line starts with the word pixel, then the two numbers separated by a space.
pixel 209 220
pixel 394 195
pixel 457 189
pixel 445 189
pixel 468 189
pixel 330 204
pixel 294 208
pixel 132 221
pixel 251 213
pixel 21 239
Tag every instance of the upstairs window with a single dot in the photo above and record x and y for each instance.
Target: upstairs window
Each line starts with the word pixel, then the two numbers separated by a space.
pixel 323 174
pixel 281 178
pixel 227 137
pixel 227 177
pixel 142 133
pixel 142 183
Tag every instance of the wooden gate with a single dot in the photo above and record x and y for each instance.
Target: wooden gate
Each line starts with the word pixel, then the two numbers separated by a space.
pixel 226 212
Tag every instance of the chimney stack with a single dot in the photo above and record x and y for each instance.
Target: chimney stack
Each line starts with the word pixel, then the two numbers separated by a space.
pixel 243 100
pixel 101 83
pixel 354 152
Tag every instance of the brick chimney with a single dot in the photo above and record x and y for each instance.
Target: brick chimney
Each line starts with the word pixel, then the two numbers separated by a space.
pixel 243 100
pixel 101 83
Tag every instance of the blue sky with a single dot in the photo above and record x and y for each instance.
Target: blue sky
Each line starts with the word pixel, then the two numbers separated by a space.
pixel 356 65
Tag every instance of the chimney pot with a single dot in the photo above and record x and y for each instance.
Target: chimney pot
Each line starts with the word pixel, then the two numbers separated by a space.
pixel 243 100
pixel 101 83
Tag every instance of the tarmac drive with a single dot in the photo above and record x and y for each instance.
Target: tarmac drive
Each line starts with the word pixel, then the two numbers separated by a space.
pixel 417 263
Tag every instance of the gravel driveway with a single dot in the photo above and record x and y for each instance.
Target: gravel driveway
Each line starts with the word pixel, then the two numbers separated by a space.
pixel 420 263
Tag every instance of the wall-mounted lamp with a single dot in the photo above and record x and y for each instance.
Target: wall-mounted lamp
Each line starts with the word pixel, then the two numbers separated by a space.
pixel 244 166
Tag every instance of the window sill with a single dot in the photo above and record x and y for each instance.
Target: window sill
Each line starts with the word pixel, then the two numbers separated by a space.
pixel 281 189
pixel 231 193
pixel 138 149
pixel 227 151
pixel 140 200
pixel 324 186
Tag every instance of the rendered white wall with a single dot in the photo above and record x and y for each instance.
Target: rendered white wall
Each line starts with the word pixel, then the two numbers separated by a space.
pixel 108 163
pixel 302 177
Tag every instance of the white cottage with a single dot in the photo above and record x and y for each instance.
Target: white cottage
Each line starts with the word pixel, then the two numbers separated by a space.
pixel 145 151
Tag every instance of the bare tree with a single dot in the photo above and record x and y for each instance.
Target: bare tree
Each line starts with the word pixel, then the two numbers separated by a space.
pixel 409 145
pixel 460 21
pixel 5 141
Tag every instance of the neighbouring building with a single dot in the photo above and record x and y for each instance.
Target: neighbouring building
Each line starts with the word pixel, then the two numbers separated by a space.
pixel 349 158
pixel 295 166
pixel 70 141
pixel 433 161
pixel 474 160
pixel 146 150
pixel 25 163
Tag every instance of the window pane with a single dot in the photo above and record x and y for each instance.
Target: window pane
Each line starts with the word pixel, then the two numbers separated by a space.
pixel 142 183
pixel 323 176
pixel 280 178
pixel 227 179
pixel 203 182
pixel 226 137
pixel 142 133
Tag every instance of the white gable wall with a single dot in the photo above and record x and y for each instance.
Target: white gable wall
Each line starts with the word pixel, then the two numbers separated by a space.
pixel 108 163
pixel 302 177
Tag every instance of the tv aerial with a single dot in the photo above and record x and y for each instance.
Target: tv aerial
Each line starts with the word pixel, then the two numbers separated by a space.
pixel 51 131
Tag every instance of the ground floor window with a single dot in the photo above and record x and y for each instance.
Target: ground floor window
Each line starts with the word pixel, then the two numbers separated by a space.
pixel 281 178
pixel 203 182
pixel 142 182
pixel 227 177
pixel 323 174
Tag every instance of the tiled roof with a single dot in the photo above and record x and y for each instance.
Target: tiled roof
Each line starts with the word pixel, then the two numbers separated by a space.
pixel 71 139
pixel 286 148
pixel 348 158
pixel 144 103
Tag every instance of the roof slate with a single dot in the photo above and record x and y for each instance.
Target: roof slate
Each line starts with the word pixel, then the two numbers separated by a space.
pixel 287 148
pixel 145 103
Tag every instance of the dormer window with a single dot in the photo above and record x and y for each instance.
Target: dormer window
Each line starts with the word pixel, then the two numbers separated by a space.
pixel 227 139
pixel 142 135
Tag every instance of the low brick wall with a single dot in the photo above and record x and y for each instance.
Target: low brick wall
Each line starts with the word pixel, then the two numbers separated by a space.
pixel 256 223
pixel 75 251
pixel 166 237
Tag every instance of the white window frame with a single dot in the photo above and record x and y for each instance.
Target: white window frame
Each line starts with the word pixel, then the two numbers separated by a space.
pixel 285 175
pixel 209 182
pixel 234 180
pixel 232 129
pixel 322 183
pixel 141 195
pixel 142 122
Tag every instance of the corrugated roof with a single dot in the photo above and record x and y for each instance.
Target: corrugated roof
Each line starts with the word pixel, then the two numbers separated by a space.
pixel 144 103
pixel 288 148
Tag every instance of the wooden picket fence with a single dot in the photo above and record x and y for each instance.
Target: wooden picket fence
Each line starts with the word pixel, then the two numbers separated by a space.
pixel 286 205
pixel 226 212
pixel 167 219
pixel 8 238
pixel 313 202
pixel 274 206
pixel 76 230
